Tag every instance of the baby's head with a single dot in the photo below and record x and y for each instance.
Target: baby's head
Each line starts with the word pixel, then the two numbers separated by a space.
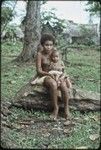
pixel 55 56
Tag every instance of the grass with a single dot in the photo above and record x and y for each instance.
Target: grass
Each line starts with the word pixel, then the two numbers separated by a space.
pixel 85 65
pixel 84 68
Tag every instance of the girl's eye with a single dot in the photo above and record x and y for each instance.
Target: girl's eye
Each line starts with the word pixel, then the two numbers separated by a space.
pixel 48 45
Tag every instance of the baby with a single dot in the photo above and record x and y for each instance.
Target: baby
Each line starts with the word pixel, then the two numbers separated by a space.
pixel 57 69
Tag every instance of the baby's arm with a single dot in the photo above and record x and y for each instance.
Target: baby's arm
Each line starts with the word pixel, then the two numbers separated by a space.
pixel 69 84
pixel 56 75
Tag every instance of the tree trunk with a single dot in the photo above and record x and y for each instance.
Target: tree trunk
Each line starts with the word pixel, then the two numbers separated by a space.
pixel 37 97
pixel 32 32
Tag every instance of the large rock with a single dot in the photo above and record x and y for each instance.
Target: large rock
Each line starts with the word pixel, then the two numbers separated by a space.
pixel 37 97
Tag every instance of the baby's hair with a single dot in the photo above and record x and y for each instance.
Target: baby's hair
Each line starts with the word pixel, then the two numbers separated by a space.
pixel 54 52
pixel 47 37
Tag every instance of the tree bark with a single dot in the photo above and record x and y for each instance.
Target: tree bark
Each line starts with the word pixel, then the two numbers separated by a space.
pixel 32 32
pixel 37 97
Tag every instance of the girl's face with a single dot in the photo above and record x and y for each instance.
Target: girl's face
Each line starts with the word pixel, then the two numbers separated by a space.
pixel 48 46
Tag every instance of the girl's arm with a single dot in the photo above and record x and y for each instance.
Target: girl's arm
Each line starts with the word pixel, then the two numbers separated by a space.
pixel 39 67
pixel 63 66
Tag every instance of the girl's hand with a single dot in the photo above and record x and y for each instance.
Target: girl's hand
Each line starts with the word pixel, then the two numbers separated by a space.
pixel 52 76
pixel 58 83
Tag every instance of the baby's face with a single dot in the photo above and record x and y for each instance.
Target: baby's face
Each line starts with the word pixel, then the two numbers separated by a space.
pixel 55 57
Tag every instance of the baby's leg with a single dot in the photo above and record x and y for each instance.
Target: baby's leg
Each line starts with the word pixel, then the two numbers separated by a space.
pixel 69 85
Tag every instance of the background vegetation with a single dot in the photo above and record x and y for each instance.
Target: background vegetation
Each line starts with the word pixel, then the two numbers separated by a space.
pixel 84 69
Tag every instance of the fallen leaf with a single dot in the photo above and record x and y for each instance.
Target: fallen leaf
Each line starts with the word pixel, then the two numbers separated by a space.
pixel 86 118
pixel 16 126
pixel 81 147
pixel 93 137
pixel 95 117
pixel 21 77
pixel 67 131
pixel 25 94
pixel 67 123
pixel 52 146
pixel 57 128
pixel 46 134
pixel 15 66
pixel 12 82
pixel 90 79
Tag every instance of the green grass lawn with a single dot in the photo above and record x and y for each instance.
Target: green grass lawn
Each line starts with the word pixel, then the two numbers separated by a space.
pixel 84 69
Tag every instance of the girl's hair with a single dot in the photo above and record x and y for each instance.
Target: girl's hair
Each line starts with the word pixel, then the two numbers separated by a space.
pixel 47 37
pixel 39 48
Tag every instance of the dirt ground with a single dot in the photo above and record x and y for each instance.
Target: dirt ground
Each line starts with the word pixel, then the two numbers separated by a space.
pixel 45 129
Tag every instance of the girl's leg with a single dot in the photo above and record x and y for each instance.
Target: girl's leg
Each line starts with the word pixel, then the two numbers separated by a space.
pixel 52 86
pixel 65 96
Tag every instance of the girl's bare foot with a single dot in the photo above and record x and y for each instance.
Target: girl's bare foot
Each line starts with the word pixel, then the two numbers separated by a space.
pixel 54 115
pixel 67 115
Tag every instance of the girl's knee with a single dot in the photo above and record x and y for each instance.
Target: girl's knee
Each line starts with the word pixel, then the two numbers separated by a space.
pixel 53 84
pixel 50 82
pixel 63 87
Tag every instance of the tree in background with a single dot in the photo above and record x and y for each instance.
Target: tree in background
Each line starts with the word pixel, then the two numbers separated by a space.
pixel 7 13
pixel 57 24
pixel 32 32
pixel 94 7
pixel 87 34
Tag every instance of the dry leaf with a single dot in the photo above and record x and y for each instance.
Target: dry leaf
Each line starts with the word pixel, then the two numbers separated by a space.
pixel 12 82
pixel 15 65
pixel 67 123
pixel 57 128
pixel 21 77
pixel 86 118
pixel 46 134
pixel 25 94
pixel 94 137
pixel 96 118
pixel 67 131
pixel 81 147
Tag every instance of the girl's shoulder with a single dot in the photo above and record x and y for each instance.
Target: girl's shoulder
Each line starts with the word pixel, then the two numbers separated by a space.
pixel 39 55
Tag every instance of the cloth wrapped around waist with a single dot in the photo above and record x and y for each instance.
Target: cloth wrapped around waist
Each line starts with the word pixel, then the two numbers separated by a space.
pixel 40 80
